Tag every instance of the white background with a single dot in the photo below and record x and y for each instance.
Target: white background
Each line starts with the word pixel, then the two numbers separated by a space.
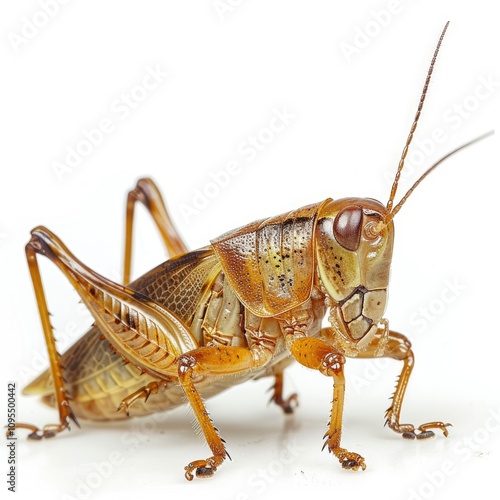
pixel 227 72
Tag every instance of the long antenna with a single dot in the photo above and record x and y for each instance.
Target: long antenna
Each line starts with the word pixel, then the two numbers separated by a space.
pixel 397 208
pixel 415 121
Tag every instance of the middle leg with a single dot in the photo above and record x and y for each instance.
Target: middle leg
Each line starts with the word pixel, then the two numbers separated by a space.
pixel 319 355
pixel 213 361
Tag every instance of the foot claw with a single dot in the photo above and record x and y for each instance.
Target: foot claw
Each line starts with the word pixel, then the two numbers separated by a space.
pixel 349 460
pixel 353 464
pixel 203 472
pixel 35 436
pixel 426 435
pixel 202 468
pixel 287 405
pixel 123 407
pixel 48 431
pixel 349 464
pixel 409 435
pixel 425 430
pixel 420 435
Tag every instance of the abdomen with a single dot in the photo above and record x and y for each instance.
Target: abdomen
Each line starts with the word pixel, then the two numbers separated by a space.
pixel 193 287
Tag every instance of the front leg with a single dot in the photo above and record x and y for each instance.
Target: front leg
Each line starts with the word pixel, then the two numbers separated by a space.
pixel 318 355
pixel 397 346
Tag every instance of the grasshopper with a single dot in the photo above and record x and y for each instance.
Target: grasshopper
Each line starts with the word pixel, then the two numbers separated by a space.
pixel 243 307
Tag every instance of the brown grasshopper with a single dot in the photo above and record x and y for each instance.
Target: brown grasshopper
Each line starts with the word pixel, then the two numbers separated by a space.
pixel 243 307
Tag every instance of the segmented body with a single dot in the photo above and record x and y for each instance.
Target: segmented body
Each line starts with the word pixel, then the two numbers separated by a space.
pixel 195 288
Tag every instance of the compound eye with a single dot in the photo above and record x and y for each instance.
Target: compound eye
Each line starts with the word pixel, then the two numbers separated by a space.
pixel 347 227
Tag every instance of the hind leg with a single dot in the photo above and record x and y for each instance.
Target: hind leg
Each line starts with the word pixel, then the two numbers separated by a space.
pixel 149 195
pixel 142 331
pixel 56 370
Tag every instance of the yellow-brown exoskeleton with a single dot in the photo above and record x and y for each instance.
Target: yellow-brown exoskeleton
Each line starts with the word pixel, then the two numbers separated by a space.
pixel 243 307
